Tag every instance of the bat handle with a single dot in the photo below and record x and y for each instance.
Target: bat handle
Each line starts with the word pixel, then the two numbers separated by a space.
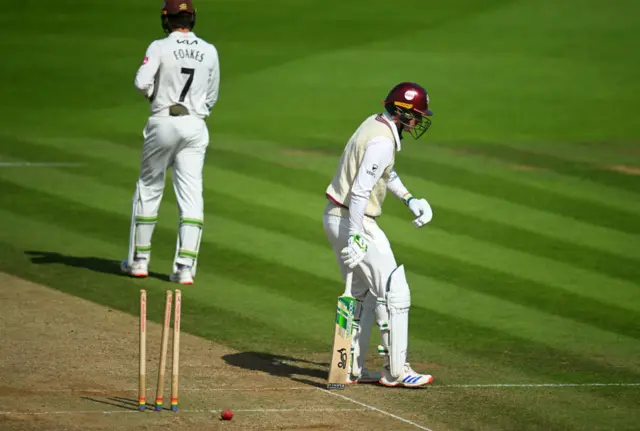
pixel 348 281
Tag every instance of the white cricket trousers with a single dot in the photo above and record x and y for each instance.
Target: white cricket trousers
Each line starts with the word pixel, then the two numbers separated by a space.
pixel 379 262
pixel 178 143
pixel 369 286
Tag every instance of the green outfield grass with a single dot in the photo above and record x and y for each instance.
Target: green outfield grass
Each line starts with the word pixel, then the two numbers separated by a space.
pixel 530 269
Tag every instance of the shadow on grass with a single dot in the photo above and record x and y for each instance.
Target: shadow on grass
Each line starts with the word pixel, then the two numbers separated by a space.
pixel 96 264
pixel 281 366
pixel 113 403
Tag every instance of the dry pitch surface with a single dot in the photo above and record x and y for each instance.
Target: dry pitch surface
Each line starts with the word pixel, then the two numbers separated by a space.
pixel 69 364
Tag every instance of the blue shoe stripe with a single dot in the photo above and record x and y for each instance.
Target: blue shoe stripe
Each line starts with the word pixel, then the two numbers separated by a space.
pixel 411 379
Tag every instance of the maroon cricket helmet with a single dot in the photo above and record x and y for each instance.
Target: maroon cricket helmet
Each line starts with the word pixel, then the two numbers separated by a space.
pixel 409 101
pixel 175 8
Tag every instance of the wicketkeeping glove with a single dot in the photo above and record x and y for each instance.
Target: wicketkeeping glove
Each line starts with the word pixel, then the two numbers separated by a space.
pixel 355 251
pixel 421 209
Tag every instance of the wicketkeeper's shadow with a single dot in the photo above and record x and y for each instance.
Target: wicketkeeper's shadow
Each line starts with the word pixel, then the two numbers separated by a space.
pixel 96 264
pixel 281 366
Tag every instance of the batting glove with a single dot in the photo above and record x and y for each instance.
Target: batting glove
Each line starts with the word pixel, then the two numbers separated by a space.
pixel 421 209
pixel 355 251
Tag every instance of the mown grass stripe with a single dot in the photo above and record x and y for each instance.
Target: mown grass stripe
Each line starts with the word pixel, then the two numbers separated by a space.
pixel 443 197
pixel 542 180
pixel 78 258
pixel 282 175
pixel 86 219
pixel 527 156
pixel 275 276
pixel 532 197
pixel 97 279
pixel 512 351
pixel 539 222
pixel 312 182
pixel 306 229
pixel 603 347
pixel 322 159
pixel 516 238
pixel 520 291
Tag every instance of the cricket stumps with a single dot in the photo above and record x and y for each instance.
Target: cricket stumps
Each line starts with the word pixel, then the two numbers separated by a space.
pixel 164 345
pixel 166 328
pixel 142 384
pixel 175 358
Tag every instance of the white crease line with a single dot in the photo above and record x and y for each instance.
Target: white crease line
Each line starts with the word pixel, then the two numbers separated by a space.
pixel 250 389
pixel 111 412
pixel 39 164
pixel 117 391
pixel 375 409
pixel 308 388
pixel 537 385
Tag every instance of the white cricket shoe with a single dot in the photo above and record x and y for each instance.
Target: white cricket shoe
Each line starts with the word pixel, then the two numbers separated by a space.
pixel 367 376
pixel 182 276
pixel 139 268
pixel 408 378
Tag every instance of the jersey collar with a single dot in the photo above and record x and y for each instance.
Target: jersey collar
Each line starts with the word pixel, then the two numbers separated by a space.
pixel 181 34
pixel 393 128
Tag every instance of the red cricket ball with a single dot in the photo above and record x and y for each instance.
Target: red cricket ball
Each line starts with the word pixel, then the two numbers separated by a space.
pixel 226 415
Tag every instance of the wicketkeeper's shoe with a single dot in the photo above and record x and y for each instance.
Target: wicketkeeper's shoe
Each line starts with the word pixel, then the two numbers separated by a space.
pixel 182 276
pixel 367 376
pixel 408 378
pixel 139 268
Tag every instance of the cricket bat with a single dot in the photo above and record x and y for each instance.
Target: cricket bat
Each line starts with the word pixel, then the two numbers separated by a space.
pixel 341 350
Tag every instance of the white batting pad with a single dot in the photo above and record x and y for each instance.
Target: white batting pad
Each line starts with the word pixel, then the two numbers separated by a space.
pixel 141 231
pixel 398 303
pixel 188 243
pixel 364 316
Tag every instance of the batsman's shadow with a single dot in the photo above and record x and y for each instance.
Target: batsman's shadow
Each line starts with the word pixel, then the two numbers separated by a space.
pixel 298 370
pixel 96 264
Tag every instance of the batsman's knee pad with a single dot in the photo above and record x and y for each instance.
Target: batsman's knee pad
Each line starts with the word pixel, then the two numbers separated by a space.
pixel 363 322
pixel 392 313
pixel 145 224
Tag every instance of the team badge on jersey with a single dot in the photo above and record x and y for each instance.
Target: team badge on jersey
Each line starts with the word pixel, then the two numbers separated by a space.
pixel 146 59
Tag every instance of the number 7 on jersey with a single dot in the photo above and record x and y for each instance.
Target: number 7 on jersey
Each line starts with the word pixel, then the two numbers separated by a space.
pixel 187 86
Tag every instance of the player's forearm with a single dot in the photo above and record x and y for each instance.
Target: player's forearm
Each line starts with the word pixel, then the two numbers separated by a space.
pixel 214 86
pixel 212 95
pixel 211 101
pixel 357 208
pixel 397 188
pixel 146 91
pixel 144 84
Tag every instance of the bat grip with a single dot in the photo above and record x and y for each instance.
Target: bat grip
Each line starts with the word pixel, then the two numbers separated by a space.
pixel 348 282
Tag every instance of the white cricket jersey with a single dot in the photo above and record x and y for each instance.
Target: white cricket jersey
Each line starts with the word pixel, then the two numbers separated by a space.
pixel 366 171
pixel 180 69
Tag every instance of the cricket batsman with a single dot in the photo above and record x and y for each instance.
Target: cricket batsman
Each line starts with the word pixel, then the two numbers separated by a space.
pixel 180 77
pixel 355 197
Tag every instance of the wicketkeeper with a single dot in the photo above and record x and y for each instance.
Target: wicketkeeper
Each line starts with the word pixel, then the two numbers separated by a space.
pixel 180 76
pixel 355 198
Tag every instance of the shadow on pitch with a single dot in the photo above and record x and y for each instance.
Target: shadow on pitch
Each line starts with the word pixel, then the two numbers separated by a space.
pixel 96 264
pixel 123 403
pixel 114 403
pixel 298 370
